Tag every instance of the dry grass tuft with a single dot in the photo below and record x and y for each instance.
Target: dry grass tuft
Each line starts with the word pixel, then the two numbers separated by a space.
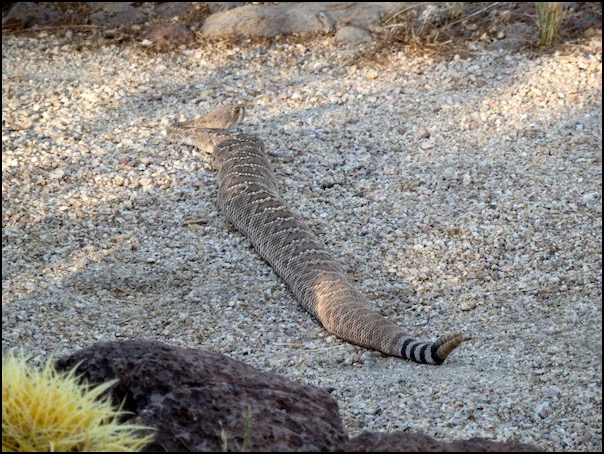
pixel 549 19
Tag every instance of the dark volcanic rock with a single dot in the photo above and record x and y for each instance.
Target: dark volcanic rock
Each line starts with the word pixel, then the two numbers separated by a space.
pixel 168 10
pixel 117 18
pixel 196 400
pixel 29 14
pixel 191 396
pixel 414 442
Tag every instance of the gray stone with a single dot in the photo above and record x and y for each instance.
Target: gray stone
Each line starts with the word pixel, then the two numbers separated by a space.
pixel 109 7
pixel 352 36
pixel 216 7
pixel 169 10
pixel 266 21
pixel 118 18
pixel 517 36
pixel 169 34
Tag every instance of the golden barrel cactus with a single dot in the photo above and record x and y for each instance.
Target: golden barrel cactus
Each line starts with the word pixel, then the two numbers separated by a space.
pixel 45 410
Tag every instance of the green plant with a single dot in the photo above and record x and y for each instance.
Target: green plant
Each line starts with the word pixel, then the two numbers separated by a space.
pixel 247 423
pixel 549 19
pixel 224 440
pixel 44 410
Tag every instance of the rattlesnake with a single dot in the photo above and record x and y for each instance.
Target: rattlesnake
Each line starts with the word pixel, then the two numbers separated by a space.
pixel 248 195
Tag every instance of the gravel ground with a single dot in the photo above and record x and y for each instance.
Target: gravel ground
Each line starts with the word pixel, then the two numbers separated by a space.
pixel 462 194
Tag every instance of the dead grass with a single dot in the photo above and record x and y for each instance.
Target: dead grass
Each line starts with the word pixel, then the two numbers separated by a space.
pixel 549 20
pixel 445 27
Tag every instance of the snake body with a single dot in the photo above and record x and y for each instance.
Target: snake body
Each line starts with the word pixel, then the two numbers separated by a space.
pixel 248 195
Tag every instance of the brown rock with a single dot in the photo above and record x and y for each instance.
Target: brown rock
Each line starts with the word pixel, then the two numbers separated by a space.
pixel 413 442
pixel 168 10
pixel 517 36
pixel 109 7
pixel 29 14
pixel 191 396
pixel 197 399
pixel 169 34
pixel 118 18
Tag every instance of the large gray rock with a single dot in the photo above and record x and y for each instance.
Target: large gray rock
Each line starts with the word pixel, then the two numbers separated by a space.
pixel 197 399
pixel 267 21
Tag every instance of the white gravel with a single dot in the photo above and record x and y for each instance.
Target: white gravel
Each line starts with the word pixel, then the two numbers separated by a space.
pixel 463 194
